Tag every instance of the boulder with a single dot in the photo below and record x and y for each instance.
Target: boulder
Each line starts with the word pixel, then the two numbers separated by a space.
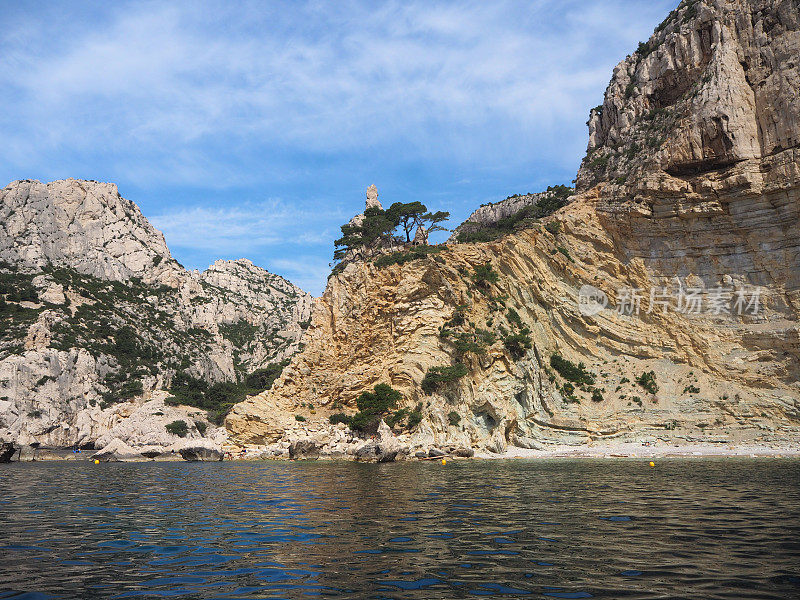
pixel 436 453
pixel 304 448
pixel 386 448
pixel 7 451
pixel 464 452
pixel 116 450
pixel 200 451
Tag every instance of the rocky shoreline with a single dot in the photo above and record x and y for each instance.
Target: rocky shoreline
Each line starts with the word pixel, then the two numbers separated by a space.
pixel 623 451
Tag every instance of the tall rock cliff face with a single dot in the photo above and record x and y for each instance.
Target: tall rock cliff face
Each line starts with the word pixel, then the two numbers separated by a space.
pixel 672 276
pixel 85 225
pixel 98 317
pixel 714 87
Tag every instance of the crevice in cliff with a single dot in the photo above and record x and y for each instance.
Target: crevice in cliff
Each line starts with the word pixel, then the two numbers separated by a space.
pixel 701 167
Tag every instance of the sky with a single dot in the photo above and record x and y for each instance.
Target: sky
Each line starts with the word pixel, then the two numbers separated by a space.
pixel 252 129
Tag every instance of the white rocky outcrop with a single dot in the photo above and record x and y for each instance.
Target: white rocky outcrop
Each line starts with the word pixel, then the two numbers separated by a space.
pixel 69 239
pixel 83 224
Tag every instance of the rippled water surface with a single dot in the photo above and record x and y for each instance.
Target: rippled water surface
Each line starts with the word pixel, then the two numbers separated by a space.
pixel 539 529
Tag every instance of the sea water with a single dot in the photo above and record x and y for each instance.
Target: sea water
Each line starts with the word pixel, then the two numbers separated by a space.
pixel 704 528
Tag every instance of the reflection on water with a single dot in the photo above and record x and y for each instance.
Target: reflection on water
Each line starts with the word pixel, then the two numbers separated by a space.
pixel 547 529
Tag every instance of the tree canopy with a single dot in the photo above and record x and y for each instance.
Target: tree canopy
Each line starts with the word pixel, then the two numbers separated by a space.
pixel 376 230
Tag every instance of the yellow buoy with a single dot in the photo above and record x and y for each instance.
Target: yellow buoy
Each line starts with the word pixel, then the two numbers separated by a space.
pixel 444 461
pixel 652 464
pixel 97 462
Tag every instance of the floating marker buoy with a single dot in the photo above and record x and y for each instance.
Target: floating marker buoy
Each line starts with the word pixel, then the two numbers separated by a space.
pixel 652 464
pixel 444 461
pixel 97 462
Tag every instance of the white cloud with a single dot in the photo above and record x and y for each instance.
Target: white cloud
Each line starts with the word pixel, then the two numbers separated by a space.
pixel 455 81
pixel 245 228
pixel 270 99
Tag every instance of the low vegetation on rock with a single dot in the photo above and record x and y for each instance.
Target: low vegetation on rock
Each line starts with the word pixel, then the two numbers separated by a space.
pixel 436 377
pixel 548 202
pixel 179 428
pixel 570 371
pixel 648 381
pixel 218 398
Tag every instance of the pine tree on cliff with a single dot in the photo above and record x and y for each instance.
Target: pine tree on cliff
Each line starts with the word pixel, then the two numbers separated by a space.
pixel 376 230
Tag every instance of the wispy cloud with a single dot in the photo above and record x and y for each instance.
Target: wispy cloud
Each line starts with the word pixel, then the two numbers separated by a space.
pixel 306 101
pixel 434 78
pixel 245 227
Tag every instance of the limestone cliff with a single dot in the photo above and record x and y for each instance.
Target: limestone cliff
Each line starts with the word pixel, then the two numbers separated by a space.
pixel 687 199
pixel 96 312
pixel 488 217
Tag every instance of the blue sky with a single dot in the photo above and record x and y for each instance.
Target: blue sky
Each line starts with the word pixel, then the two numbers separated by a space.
pixel 252 129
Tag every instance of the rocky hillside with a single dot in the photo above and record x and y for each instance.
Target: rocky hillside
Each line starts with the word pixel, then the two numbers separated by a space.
pixel 713 88
pixel 97 314
pixel 492 220
pixel 661 304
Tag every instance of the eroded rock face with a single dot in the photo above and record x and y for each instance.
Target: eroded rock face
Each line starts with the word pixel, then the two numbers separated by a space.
pixel 713 87
pixel 116 451
pixel 201 451
pixel 94 267
pixel 712 207
pixel 83 224
pixel 490 214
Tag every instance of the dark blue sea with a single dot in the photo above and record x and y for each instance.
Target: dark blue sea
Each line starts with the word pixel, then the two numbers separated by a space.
pixel 721 528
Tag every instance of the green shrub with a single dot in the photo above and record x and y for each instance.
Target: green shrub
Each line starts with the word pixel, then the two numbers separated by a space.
pixel 565 252
pixel 380 400
pixel 262 379
pixel 599 164
pixel 597 395
pixel 364 422
pixel 469 343
pixel 518 343
pixel 42 380
pixel 373 405
pixel 454 418
pixel 485 337
pixel 217 399
pixel 131 389
pixel 179 428
pixel 415 417
pixel 513 317
pixel 35 414
pixel 484 275
pixel 570 371
pixel 459 317
pixel 201 427
pixel 648 381
pixel 396 417
pixel 691 389
pixel 438 376
pixel 553 227
pixel 632 150
pixel 299 418
pixel 340 418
